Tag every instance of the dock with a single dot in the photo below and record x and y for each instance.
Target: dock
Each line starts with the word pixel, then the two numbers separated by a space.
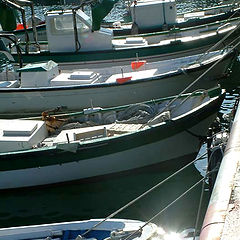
pixel 222 219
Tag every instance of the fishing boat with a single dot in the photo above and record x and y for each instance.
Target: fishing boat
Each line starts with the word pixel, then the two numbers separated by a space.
pixel 111 229
pixel 97 142
pixel 140 22
pixel 73 44
pixel 154 16
pixel 42 87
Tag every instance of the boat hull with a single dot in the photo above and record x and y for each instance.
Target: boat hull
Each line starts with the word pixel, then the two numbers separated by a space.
pixel 166 142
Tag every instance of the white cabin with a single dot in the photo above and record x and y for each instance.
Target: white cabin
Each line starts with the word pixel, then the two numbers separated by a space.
pixel 38 74
pixel 150 13
pixel 63 38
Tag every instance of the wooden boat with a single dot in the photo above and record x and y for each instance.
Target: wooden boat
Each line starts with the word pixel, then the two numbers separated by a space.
pixel 78 47
pixel 98 142
pixel 41 86
pixel 111 229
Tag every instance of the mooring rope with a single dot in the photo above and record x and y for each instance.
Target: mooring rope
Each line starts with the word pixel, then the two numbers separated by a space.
pixel 165 208
pixel 202 75
pixel 174 201
pixel 145 193
pixel 223 39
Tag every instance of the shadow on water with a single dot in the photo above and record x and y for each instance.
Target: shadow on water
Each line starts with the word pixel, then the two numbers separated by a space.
pixel 99 198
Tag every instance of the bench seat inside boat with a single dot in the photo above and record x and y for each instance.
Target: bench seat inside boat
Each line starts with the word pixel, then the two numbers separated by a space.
pixel 90 133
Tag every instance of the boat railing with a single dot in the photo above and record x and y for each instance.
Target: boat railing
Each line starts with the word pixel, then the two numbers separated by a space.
pixel 12 38
pixel 215 46
pixel 18 5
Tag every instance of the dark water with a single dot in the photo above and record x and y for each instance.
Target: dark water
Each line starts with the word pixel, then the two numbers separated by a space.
pixel 78 201
pixel 98 199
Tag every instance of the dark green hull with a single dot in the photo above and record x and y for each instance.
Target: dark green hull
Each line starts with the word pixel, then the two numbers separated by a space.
pixel 109 155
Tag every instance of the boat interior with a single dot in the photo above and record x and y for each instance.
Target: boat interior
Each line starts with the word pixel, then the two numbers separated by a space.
pixel 93 124
pixel 47 74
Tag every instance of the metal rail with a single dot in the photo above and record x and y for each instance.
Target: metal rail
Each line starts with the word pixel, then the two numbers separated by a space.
pixel 11 37
pixel 74 11
pixel 18 5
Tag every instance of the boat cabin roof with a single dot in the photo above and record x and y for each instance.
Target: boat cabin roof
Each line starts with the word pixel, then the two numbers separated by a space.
pixel 38 67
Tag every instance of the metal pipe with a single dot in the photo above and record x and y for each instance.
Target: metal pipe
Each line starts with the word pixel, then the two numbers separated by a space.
pixel 11 37
pixel 214 221
pixel 77 44
pixel 31 5
pixel 19 8
pixel 17 4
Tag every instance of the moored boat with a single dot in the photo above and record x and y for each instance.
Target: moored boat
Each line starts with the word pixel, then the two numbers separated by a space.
pixel 155 16
pixel 98 142
pixel 73 44
pixel 140 12
pixel 41 86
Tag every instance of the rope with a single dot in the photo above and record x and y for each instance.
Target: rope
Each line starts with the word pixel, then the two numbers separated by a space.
pixel 201 198
pixel 174 201
pixel 221 41
pixel 203 186
pixel 144 194
pixel 164 209
pixel 199 208
pixel 202 75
